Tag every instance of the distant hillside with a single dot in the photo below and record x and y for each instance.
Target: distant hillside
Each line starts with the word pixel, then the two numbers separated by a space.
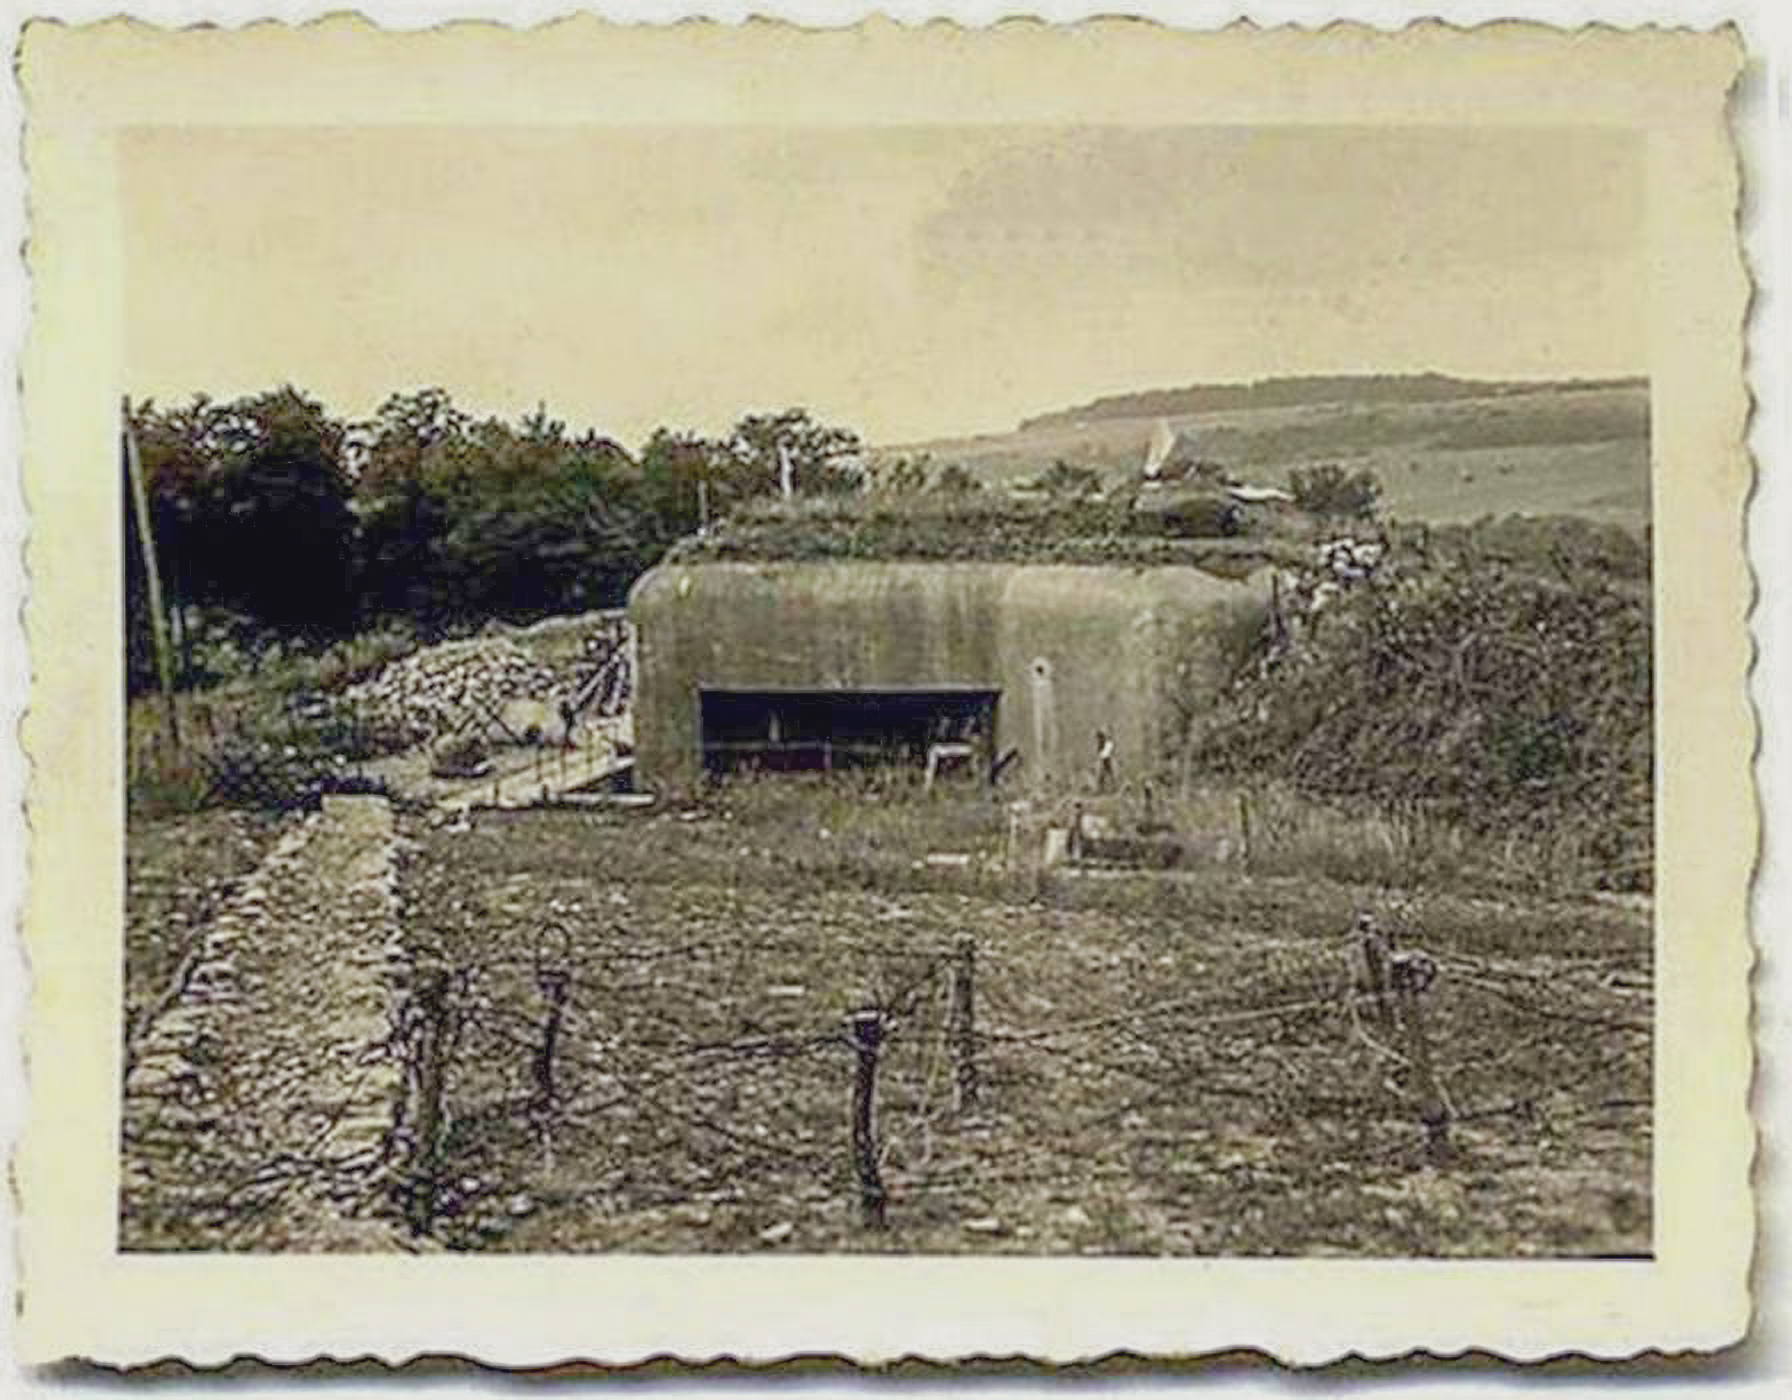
pixel 1300 390
pixel 1444 449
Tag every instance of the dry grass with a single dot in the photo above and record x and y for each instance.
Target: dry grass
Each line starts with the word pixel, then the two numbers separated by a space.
pixel 1109 1125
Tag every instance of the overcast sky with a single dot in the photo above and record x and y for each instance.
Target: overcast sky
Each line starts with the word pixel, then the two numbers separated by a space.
pixel 908 282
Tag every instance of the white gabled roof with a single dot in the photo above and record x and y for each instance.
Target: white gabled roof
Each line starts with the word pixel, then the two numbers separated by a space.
pixel 1252 494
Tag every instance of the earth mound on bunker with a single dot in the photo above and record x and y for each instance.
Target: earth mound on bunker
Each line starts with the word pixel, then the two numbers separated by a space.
pixel 1509 693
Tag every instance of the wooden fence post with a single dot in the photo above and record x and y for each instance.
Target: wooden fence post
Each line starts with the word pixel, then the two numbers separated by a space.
pixel 429 1065
pixel 1244 826
pixel 554 983
pixel 961 1024
pixel 1411 974
pixel 1375 957
pixel 866 1030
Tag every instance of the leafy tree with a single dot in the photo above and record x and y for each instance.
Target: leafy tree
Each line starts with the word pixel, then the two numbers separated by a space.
pixel 540 522
pixel 907 475
pixel 250 502
pixel 271 511
pixel 402 458
pixel 677 471
pixel 823 459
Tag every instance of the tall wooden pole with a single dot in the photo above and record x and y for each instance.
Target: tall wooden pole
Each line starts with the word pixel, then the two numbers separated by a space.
pixel 146 542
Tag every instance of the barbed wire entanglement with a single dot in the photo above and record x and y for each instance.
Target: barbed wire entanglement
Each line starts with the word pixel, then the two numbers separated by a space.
pixel 763 1083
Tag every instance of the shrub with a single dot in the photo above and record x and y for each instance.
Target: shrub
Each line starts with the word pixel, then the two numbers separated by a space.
pixel 1064 479
pixel 954 480
pixel 907 475
pixel 1328 489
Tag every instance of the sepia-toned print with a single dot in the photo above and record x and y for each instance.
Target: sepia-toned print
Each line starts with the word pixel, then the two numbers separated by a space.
pixel 1129 741
pixel 1082 680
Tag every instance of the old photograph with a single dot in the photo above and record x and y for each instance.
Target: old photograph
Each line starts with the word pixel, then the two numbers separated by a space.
pixel 1120 738
pixel 817 686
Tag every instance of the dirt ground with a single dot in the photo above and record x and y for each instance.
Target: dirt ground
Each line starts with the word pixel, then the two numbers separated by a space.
pixel 1167 1065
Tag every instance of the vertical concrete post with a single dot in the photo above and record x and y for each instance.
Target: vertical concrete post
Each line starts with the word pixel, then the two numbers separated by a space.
pixel 1044 757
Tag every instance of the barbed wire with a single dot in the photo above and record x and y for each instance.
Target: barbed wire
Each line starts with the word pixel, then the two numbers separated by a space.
pixel 1165 1030
pixel 1170 1009
pixel 1531 1008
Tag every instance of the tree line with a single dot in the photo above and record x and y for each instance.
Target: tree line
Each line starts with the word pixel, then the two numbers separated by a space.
pixel 269 511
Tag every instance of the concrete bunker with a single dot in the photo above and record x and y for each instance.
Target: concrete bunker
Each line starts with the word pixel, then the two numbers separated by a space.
pixel 781 665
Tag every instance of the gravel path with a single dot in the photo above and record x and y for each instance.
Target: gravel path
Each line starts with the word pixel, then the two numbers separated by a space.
pixel 258 1104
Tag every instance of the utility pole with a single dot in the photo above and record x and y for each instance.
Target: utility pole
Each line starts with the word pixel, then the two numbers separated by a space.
pixel 146 541
pixel 786 484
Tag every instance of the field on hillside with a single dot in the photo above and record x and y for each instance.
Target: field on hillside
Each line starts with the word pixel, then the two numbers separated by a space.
pixel 1562 449
pixel 650 1048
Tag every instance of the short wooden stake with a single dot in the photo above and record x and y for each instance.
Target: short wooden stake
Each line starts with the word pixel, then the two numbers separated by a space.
pixel 866 1030
pixel 1375 958
pixel 1244 827
pixel 1410 975
pixel 961 1024
pixel 554 983
pixel 429 1064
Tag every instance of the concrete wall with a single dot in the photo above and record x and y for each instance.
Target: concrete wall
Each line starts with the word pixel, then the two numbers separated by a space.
pixel 1070 648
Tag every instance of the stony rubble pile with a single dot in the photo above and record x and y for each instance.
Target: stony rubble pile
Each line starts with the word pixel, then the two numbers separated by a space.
pixel 442 689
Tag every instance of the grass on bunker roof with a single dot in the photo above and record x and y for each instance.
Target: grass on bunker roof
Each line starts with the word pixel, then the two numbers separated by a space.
pixel 1183 1074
